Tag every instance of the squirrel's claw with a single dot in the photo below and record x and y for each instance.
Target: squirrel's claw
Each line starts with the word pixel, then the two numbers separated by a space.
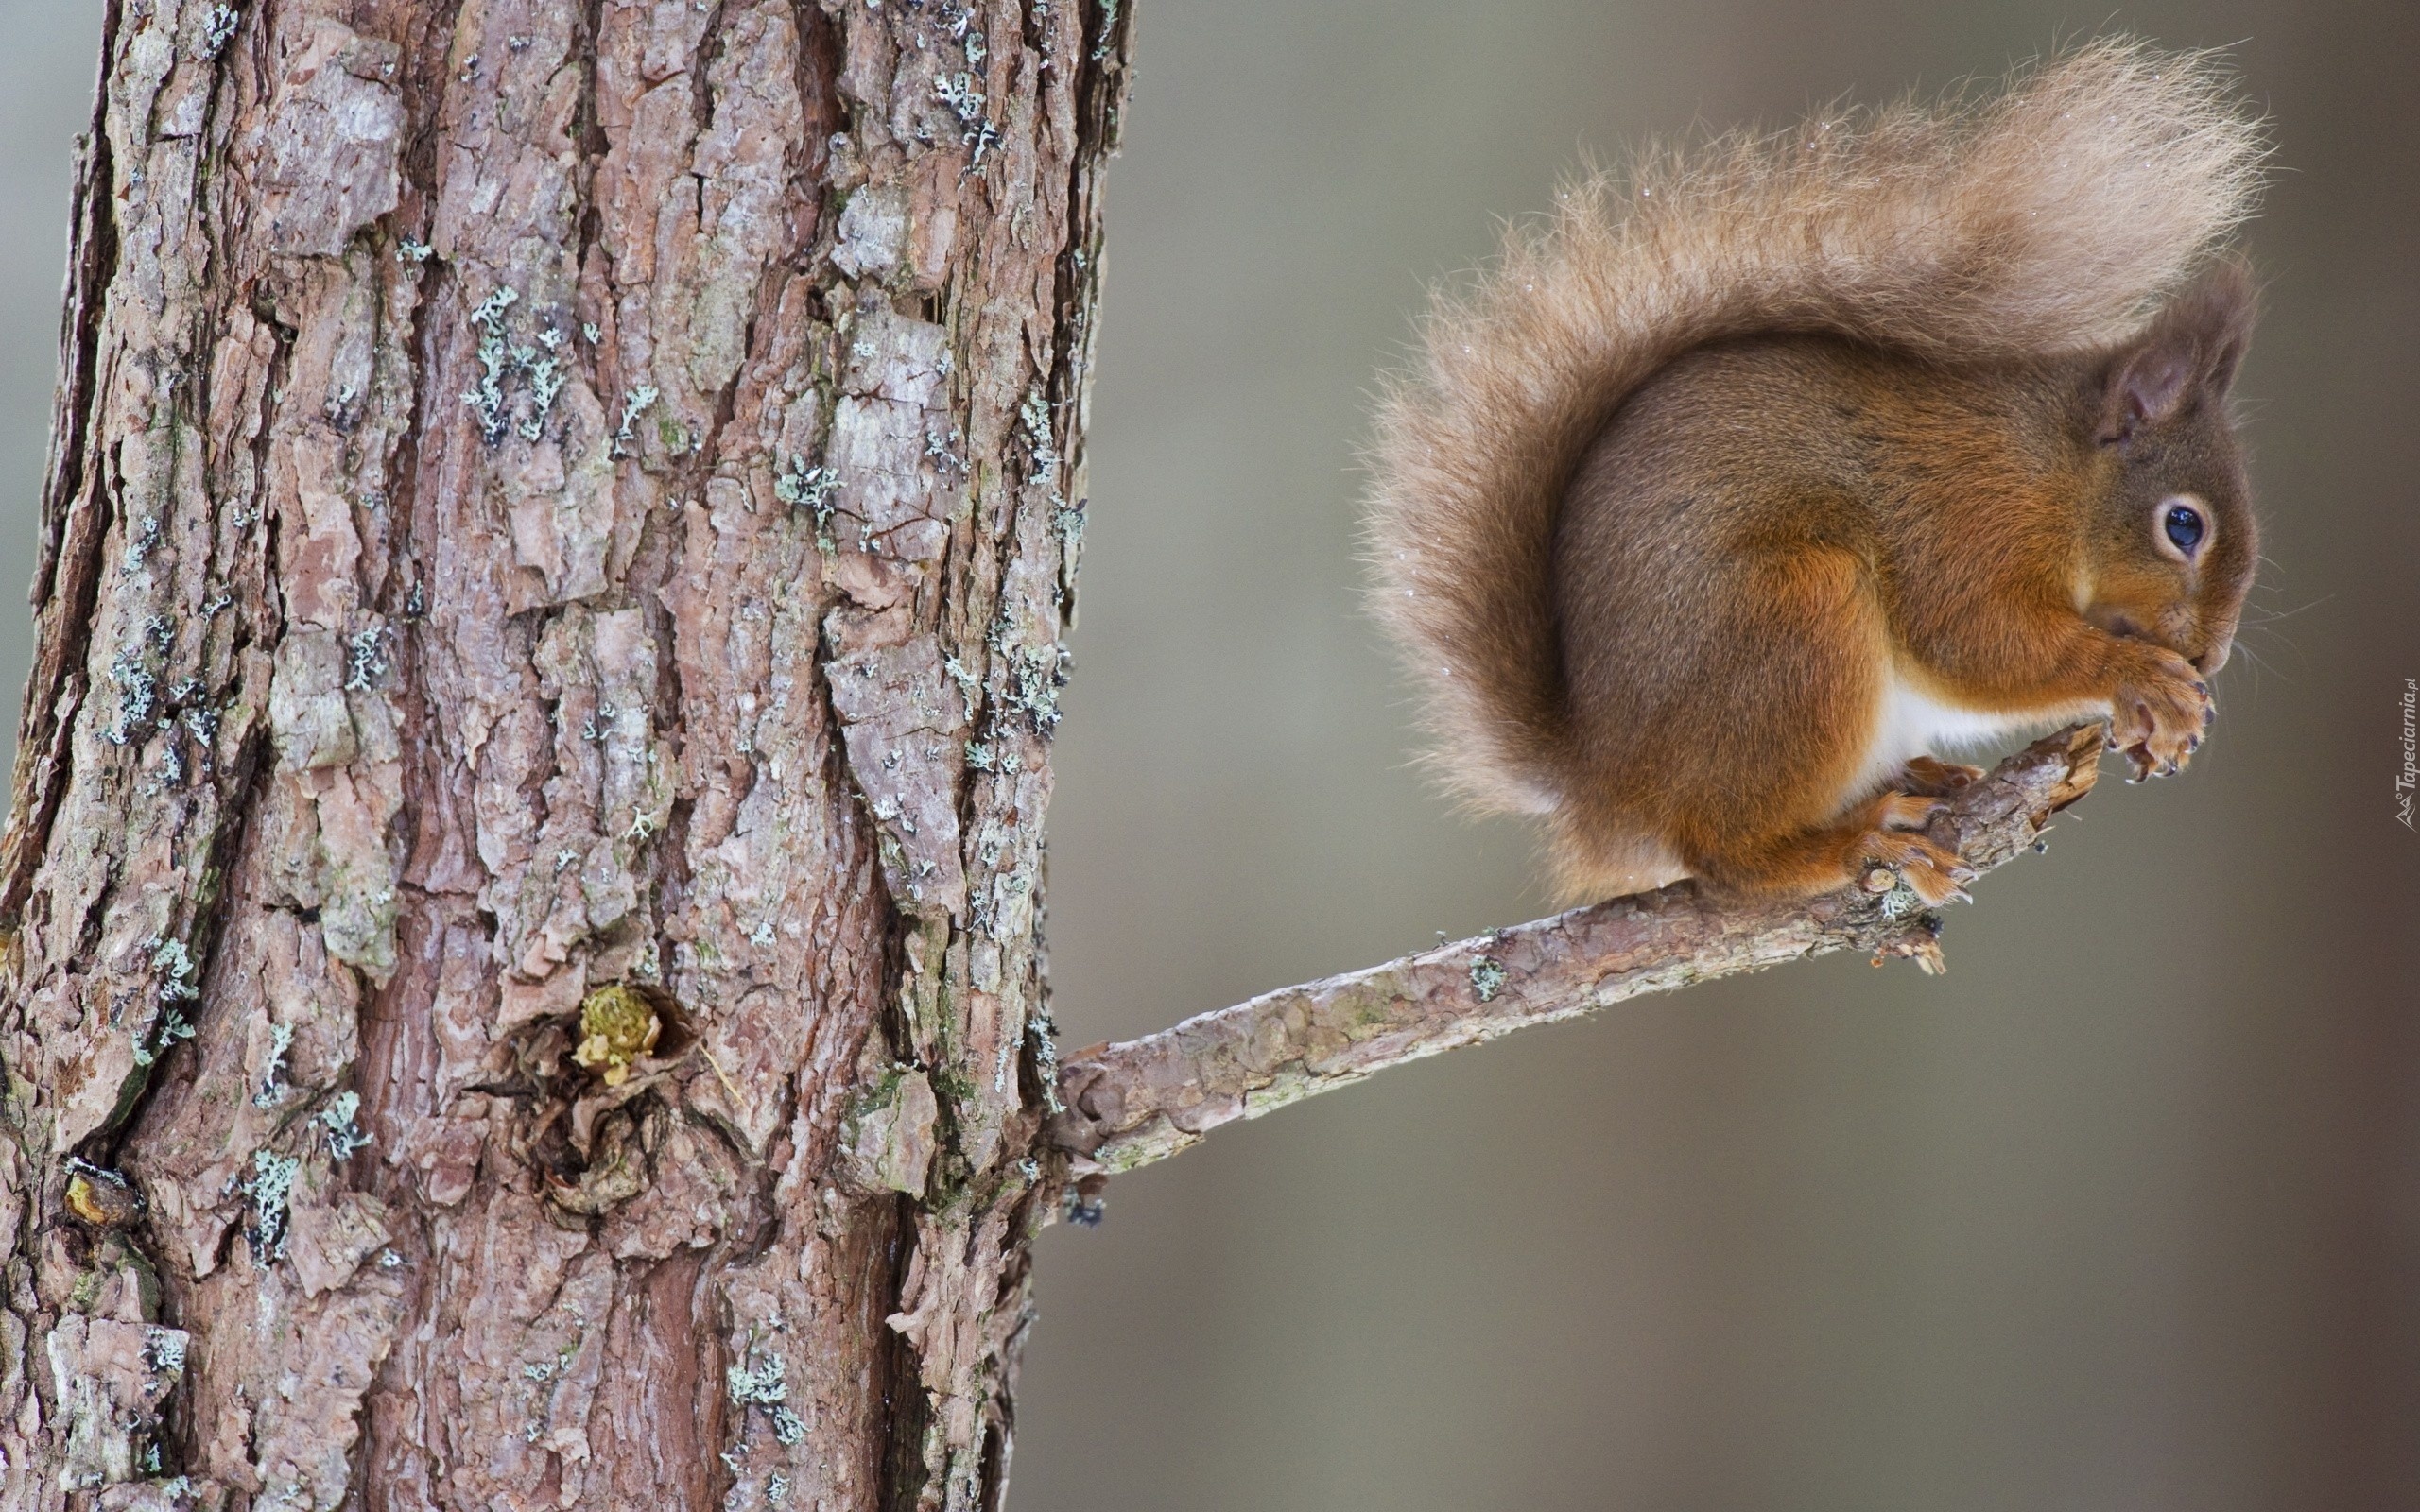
pixel 2159 715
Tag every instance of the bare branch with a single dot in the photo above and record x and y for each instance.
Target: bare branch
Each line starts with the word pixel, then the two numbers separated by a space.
pixel 1143 1100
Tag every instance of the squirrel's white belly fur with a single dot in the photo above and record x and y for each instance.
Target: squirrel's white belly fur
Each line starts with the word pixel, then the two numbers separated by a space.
pixel 1911 722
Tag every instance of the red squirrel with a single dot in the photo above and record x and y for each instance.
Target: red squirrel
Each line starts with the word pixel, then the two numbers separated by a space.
pixel 1763 475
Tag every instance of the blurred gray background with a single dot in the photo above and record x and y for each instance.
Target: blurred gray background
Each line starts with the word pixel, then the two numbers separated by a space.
pixel 2120 1214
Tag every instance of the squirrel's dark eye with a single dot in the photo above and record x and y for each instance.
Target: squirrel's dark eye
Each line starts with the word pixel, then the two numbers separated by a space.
pixel 2183 523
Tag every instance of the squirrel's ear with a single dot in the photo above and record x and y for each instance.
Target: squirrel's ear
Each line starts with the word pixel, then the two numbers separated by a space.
pixel 2187 357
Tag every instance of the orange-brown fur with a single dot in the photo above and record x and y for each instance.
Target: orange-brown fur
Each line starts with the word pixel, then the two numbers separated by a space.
pixel 1683 492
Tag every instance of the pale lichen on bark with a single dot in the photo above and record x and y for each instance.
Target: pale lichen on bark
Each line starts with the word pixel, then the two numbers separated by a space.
pixel 547 497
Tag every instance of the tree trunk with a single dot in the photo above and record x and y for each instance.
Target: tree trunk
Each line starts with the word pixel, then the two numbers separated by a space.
pixel 525 966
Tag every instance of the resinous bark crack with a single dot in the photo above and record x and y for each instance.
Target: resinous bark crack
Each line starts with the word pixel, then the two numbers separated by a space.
pixel 546 497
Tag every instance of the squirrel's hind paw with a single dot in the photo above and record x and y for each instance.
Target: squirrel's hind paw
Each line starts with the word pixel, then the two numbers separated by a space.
pixel 1903 811
pixel 1889 834
pixel 1885 830
pixel 1933 778
pixel 1933 872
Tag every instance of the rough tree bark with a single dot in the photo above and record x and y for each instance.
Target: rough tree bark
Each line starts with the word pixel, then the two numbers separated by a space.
pixel 524 978
pixel 522 905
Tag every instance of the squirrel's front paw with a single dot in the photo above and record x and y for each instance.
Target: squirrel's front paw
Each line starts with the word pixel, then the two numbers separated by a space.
pixel 2157 719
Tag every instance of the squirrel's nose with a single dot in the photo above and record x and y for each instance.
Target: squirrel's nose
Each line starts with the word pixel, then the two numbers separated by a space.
pixel 2216 657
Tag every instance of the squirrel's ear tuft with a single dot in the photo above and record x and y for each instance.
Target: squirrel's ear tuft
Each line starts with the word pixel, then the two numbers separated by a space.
pixel 2188 356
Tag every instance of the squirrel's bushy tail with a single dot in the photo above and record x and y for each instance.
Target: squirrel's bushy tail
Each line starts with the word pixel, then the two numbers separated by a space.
pixel 2046 218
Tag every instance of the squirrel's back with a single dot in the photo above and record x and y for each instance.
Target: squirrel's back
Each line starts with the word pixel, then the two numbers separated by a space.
pixel 2049 218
